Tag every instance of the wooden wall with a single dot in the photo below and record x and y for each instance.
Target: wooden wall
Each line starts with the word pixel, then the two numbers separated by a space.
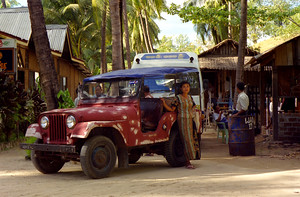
pixel 64 68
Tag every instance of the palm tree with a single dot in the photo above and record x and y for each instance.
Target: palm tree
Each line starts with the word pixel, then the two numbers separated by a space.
pixel 242 46
pixel 155 6
pixel 144 30
pixel 103 36
pixel 3 4
pixel 116 34
pixel 99 15
pixel 48 74
pixel 75 14
pixel 126 32
pixel 218 31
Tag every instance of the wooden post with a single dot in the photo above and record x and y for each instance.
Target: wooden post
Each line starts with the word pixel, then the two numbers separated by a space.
pixel 275 101
pixel 262 87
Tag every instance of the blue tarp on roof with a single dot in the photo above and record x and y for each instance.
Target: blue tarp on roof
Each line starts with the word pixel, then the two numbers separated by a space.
pixel 139 73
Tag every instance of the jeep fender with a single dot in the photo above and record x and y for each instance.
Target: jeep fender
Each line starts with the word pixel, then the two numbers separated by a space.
pixel 34 130
pixel 83 129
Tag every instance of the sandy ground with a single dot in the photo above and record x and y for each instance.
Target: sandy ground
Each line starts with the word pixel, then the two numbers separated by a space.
pixel 274 171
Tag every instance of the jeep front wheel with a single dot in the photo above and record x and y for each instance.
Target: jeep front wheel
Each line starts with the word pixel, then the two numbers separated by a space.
pixel 98 157
pixel 174 150
pixel 46 165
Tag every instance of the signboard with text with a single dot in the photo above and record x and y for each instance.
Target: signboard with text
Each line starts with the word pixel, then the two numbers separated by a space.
pixel 7 55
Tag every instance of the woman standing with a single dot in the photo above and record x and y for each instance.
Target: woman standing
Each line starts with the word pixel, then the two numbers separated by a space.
pixel 185 107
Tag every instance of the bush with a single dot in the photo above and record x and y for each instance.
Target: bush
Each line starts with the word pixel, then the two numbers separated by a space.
pixel 18 109
pixel 64 99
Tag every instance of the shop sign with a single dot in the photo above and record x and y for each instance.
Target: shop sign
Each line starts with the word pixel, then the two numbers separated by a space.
pixel 7 55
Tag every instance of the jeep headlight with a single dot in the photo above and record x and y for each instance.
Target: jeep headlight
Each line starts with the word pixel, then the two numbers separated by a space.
pixel 44 122
pixel 71 122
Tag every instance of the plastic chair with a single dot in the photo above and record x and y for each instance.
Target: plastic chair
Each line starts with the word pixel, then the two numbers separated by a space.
pixel 222 128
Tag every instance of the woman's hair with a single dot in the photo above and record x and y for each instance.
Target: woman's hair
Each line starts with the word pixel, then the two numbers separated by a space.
pixel 181 84
pixel 184 82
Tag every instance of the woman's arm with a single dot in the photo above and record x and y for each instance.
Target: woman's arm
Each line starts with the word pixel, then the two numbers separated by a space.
pixel 167 106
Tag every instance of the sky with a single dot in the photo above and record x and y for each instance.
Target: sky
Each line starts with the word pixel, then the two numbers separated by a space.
pixel 172 26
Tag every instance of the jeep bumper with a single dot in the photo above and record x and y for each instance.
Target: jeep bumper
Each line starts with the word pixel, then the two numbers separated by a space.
pixel 49 147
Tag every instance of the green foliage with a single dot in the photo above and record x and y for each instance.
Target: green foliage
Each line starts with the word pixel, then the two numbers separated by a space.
pixel 10 3
pixel 18 108
pixel 39 88
pixel 178 44
pixel 35 103
pixel 267 17
pixel 12 98
pixel 29 140
pixel 65 99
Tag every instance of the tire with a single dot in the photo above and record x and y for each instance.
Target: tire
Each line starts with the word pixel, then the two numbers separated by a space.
pixel 134 157
pixel 46 165
pixel 174 151
pixel 98 157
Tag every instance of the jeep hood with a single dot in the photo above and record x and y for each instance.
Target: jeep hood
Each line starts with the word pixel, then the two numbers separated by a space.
pixel 94 113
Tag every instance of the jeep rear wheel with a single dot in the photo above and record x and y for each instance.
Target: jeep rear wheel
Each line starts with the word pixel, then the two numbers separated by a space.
pixel 174 150
pixel 98 157
pixel 46 165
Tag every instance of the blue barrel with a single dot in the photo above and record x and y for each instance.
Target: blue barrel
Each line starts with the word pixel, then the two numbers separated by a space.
pixel 241 136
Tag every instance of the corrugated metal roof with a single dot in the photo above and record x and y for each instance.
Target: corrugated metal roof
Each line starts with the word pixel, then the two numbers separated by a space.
pixel 16 22
pixel 260 57
pixel 57 36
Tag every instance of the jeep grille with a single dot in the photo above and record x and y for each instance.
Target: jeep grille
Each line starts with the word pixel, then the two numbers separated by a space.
pixel 58 131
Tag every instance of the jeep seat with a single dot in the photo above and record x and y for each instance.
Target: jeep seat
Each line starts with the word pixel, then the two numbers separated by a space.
pixel 151 112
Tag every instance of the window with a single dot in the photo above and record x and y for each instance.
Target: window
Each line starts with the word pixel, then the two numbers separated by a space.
pixel 63 83
pixel 33 77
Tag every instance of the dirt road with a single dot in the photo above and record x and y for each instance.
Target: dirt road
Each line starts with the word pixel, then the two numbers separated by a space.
pixel 217 174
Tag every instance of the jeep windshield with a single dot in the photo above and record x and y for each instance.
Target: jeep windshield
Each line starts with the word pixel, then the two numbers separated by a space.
pixel 162 82
pixel 110 89
pixel 168 85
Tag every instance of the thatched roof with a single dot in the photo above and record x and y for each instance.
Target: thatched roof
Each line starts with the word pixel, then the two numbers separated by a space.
pixel 223 63
pixel 224 56
pixel 230 49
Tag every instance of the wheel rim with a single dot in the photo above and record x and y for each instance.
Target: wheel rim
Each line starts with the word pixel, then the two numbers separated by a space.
pixel 100 157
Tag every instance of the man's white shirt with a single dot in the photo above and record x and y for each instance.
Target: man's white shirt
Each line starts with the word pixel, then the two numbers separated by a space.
pixel 242 102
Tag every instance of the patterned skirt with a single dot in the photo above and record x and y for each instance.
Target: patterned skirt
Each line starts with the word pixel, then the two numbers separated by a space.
pixel 189 138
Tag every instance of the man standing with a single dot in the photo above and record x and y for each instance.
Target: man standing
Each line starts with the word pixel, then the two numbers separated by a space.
pixel 243 100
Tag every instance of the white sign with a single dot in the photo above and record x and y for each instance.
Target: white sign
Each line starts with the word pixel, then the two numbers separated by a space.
pixel 8 43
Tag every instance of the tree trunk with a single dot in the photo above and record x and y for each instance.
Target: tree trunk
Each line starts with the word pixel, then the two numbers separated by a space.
pixel 144 32
pixel 242 46
pixel 126 34
pixel 148 33
pixel 116 34
pixel 48 74
pixel 121 21
pixel 3 4
pixel 229 21
pixel 103 39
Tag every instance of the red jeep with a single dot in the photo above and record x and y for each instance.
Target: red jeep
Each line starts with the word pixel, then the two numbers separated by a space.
pixel 115 122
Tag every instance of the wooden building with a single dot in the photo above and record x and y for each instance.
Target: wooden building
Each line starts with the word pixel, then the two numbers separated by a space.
pixel 218 67
pixel 15 24
pixel 284 60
